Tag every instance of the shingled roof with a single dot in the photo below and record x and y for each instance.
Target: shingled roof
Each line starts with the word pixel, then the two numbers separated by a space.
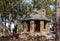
pixel 38 16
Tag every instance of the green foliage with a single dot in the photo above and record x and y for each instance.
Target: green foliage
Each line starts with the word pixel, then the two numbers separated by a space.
pixel 46 4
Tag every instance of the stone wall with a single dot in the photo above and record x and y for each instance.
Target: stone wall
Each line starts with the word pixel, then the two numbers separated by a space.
pixel 26 37
pixel 37 38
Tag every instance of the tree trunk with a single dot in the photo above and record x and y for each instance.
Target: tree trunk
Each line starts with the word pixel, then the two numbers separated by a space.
pixel 57 20
pixel 9 24
pixel 15 25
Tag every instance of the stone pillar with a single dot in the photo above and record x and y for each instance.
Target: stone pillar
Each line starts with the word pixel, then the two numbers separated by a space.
pixel 47 28
pixel 32 27
pixel 25 26
pixel 41 26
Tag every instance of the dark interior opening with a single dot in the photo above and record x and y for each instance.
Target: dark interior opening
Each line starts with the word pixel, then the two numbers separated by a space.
pixel 44 25
pixel 28 26
pixel 37 26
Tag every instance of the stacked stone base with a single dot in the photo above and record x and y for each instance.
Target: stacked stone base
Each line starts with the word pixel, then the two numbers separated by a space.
pixel 28 37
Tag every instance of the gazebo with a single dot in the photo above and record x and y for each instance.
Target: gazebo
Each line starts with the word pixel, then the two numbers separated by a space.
pixel 36 23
